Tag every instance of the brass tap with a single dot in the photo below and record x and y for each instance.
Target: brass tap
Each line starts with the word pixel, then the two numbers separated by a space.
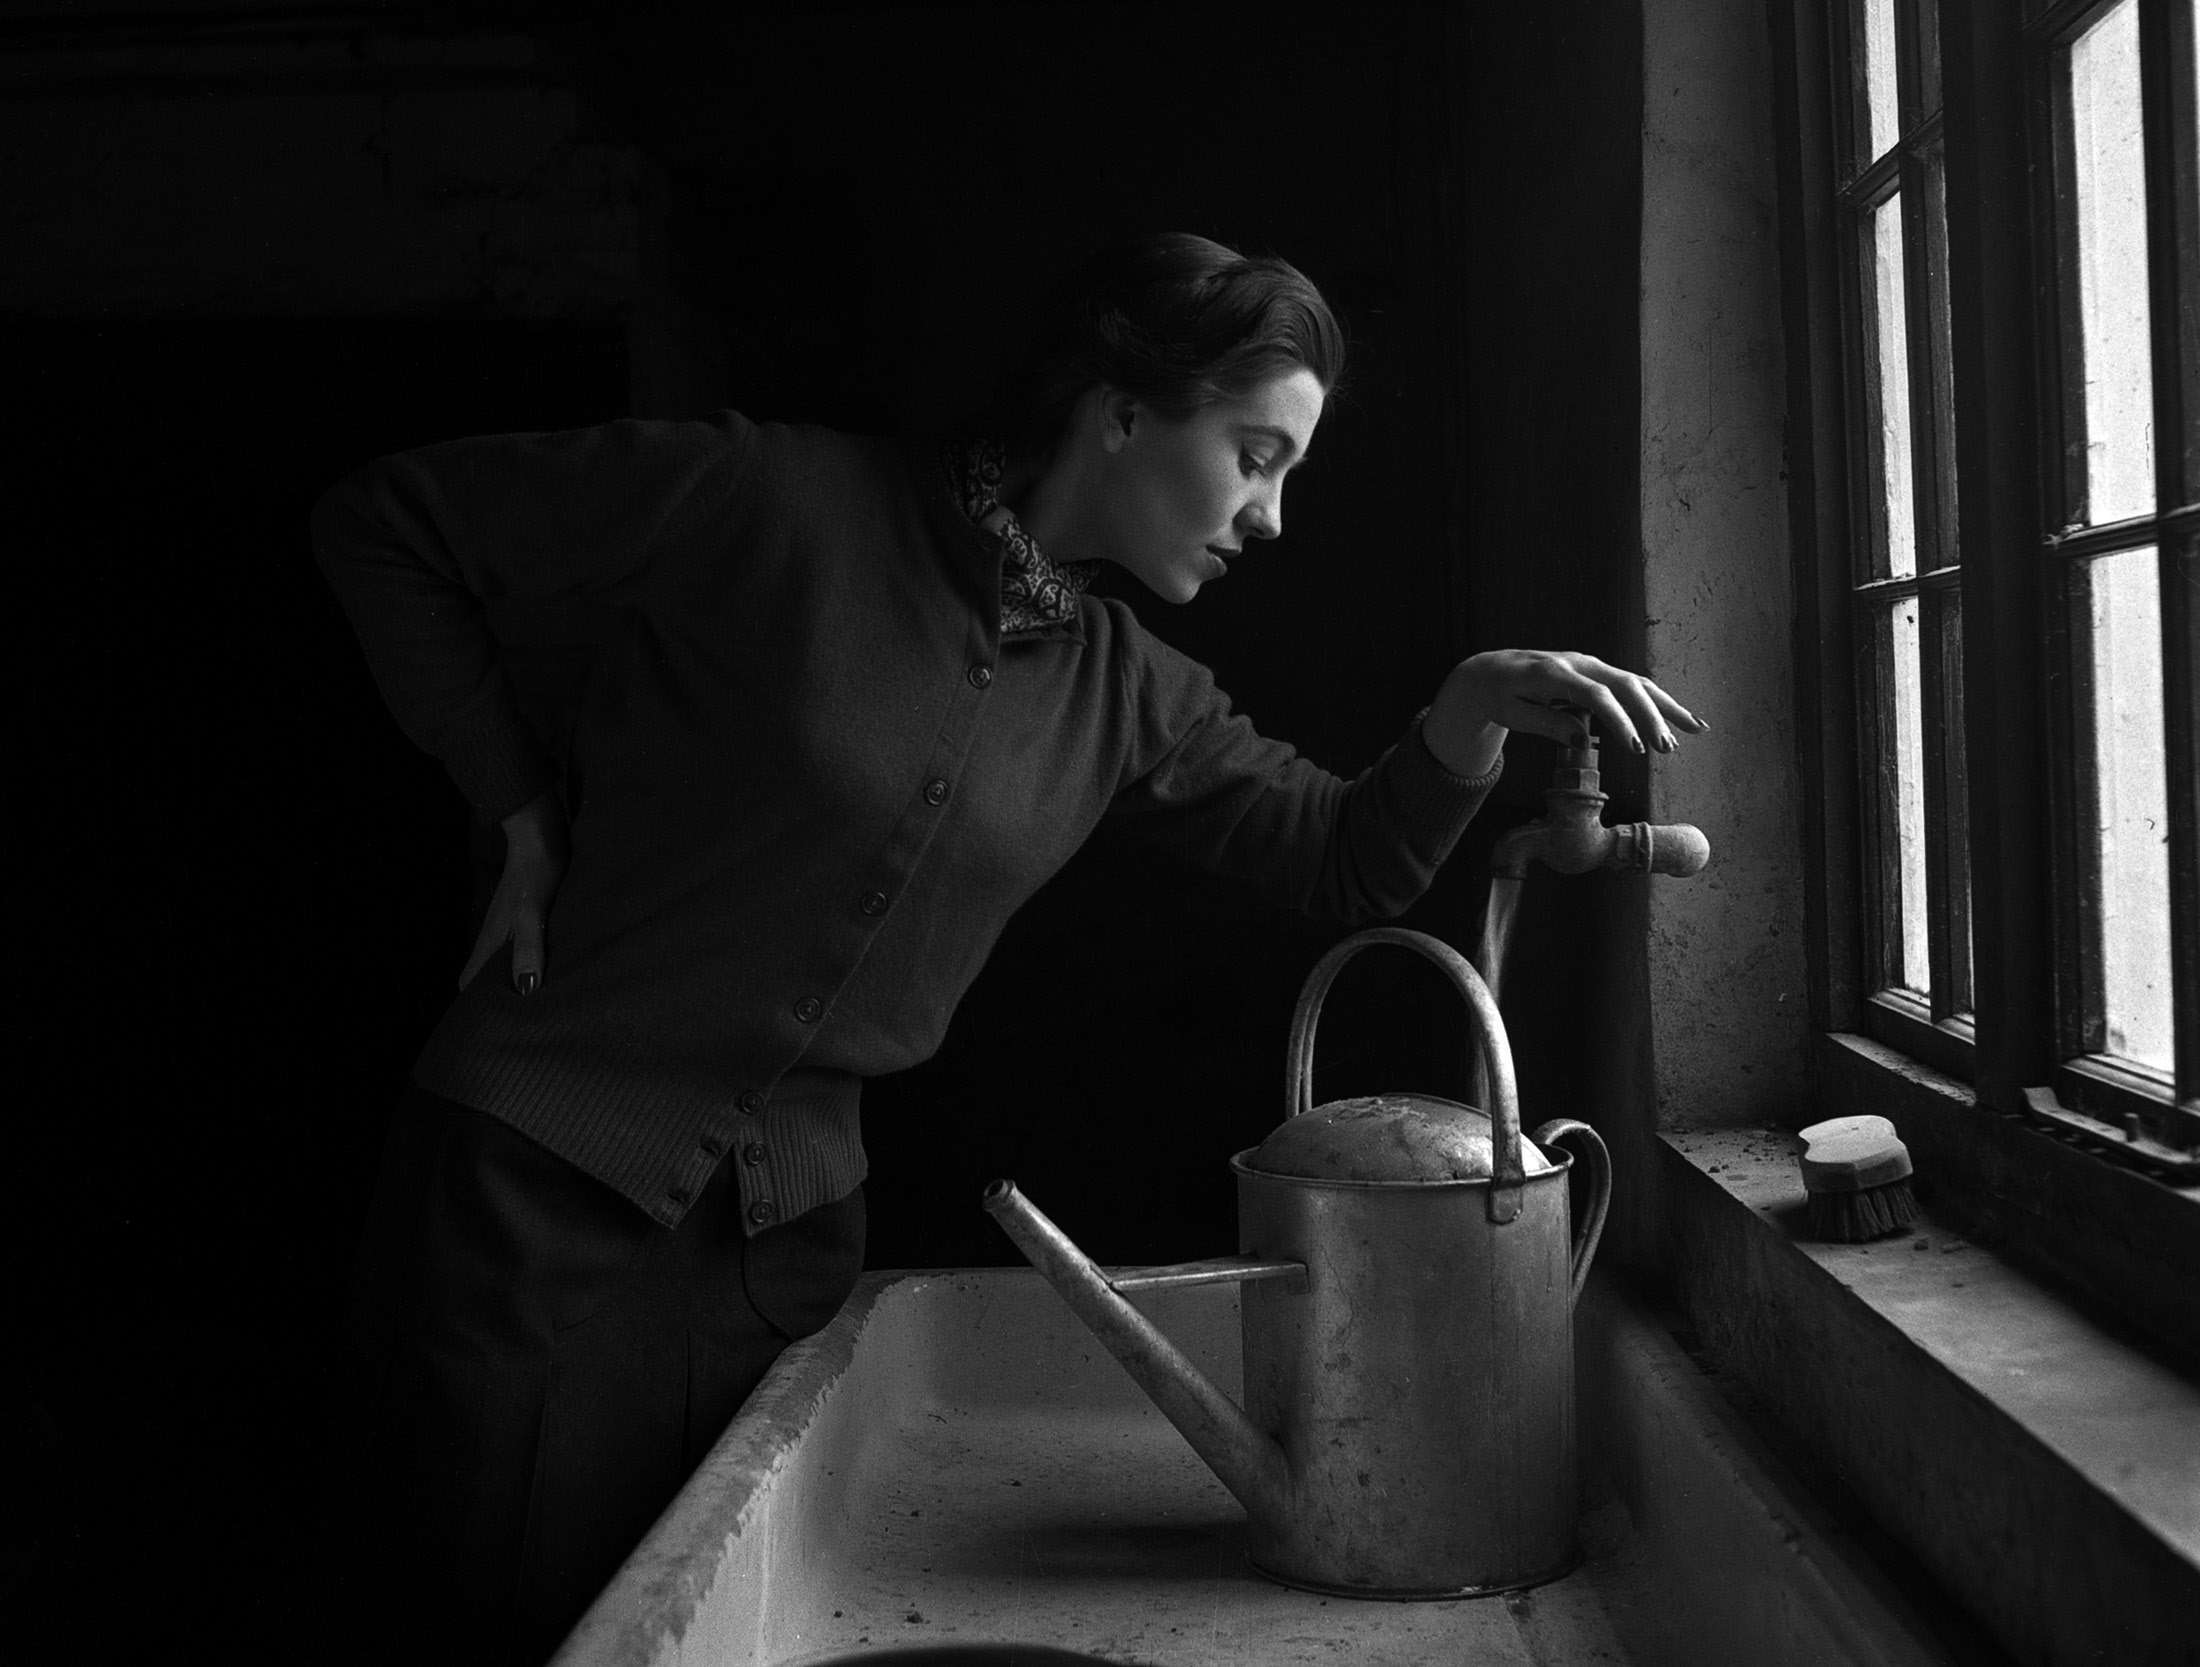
pixel 1571 836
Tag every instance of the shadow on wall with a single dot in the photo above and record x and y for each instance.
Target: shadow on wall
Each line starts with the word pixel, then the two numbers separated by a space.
pixel 264 900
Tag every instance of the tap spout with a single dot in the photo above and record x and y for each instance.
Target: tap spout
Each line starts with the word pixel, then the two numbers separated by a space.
pixel 1677 848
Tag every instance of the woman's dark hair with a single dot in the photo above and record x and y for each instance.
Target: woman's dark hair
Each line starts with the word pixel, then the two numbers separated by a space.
pixel 1176 320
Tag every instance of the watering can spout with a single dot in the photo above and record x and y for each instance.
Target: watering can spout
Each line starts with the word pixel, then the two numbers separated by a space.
pixel 1250 1464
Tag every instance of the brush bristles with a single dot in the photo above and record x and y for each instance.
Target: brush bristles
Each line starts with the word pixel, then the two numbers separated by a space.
pixel 1853 1217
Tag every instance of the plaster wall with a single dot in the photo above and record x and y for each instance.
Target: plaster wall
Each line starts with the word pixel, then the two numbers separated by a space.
pixel 1725 950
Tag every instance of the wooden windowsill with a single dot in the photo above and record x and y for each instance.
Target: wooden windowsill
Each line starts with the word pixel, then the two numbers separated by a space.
pixel 2128 1245
pixel 2042 1467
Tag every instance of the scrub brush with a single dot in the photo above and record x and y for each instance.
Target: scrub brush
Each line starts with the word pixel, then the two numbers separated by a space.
pixel 1857 1173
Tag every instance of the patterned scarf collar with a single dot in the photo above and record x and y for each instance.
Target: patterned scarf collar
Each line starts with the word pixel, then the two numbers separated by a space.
pixel 1035 592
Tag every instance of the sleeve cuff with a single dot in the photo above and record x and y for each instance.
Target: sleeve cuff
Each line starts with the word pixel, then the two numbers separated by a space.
pixel 1476 784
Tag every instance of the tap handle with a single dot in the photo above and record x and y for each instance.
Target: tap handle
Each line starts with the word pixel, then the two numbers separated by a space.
pixel 1580 715
pixel 1574 773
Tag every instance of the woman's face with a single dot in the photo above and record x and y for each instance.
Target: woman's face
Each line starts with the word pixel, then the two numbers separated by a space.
pixel 1183 495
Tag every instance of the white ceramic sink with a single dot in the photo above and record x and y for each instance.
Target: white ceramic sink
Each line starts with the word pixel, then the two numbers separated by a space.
pixel 956 1464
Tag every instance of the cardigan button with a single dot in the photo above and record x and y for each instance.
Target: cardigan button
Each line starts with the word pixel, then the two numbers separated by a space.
pixel 935 791
pixel 763 1212
pixel 753 1101
pixel 753 1153
pixel 981 677
pixel 874 903
pixel 808 1008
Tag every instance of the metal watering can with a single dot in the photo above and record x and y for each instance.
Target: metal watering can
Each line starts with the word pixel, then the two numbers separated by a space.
pixel 1410 1274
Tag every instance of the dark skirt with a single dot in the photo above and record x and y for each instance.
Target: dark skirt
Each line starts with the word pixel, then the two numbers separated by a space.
pixel 536 1367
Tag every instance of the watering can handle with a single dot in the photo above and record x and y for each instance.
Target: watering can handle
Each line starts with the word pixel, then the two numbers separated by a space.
pixel 1600 1189
pixel 1506 1168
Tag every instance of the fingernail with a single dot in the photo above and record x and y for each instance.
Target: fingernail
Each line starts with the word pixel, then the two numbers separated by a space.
pixel 1666 742
pixel 527 983
pixel 1638 743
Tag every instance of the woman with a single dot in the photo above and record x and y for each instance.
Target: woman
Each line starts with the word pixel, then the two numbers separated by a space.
pixel 854 710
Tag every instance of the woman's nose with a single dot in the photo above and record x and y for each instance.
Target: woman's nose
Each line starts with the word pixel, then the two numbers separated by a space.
pixel 1263 517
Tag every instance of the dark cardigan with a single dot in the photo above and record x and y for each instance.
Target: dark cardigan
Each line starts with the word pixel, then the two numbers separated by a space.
pixel 812 780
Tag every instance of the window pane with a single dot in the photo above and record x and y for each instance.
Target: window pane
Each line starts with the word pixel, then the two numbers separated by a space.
pixel 2108 192
pixel 2122 611
pixel 1941 360
pixel 1914 967
pixel 1891 381
pixel 1957 808
pixel 1928 56
pixel 1880 94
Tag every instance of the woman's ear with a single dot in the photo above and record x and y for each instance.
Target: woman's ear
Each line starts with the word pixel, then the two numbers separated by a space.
pixel 1117 412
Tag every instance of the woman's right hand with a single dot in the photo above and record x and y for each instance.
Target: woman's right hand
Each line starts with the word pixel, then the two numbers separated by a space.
pixel 536 845
pixel 1551 693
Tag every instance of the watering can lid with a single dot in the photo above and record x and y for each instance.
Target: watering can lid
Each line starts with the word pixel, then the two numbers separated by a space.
pixel 1387 1137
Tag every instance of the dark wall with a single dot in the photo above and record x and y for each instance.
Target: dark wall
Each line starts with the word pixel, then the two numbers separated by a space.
pixel 836 215
pixel 244 907
pixel 1551 527
pixel 1129 1034
pixel 1465 190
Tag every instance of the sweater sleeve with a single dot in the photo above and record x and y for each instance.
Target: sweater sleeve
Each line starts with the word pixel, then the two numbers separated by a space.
pixel 419 547
pixel 1222 797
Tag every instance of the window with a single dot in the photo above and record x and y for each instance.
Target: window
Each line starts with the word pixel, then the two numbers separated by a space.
pixel 1906 570
pixel 2001 221
pixel 2123 429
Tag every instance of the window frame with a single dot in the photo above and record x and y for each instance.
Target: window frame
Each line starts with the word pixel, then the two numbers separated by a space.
pixel 1938 1027
pixel 2091 1086
pixel 2023 1111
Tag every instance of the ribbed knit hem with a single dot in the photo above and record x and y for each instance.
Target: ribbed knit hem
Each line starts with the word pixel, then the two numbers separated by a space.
pixel 812 1133
pixel 655 1139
